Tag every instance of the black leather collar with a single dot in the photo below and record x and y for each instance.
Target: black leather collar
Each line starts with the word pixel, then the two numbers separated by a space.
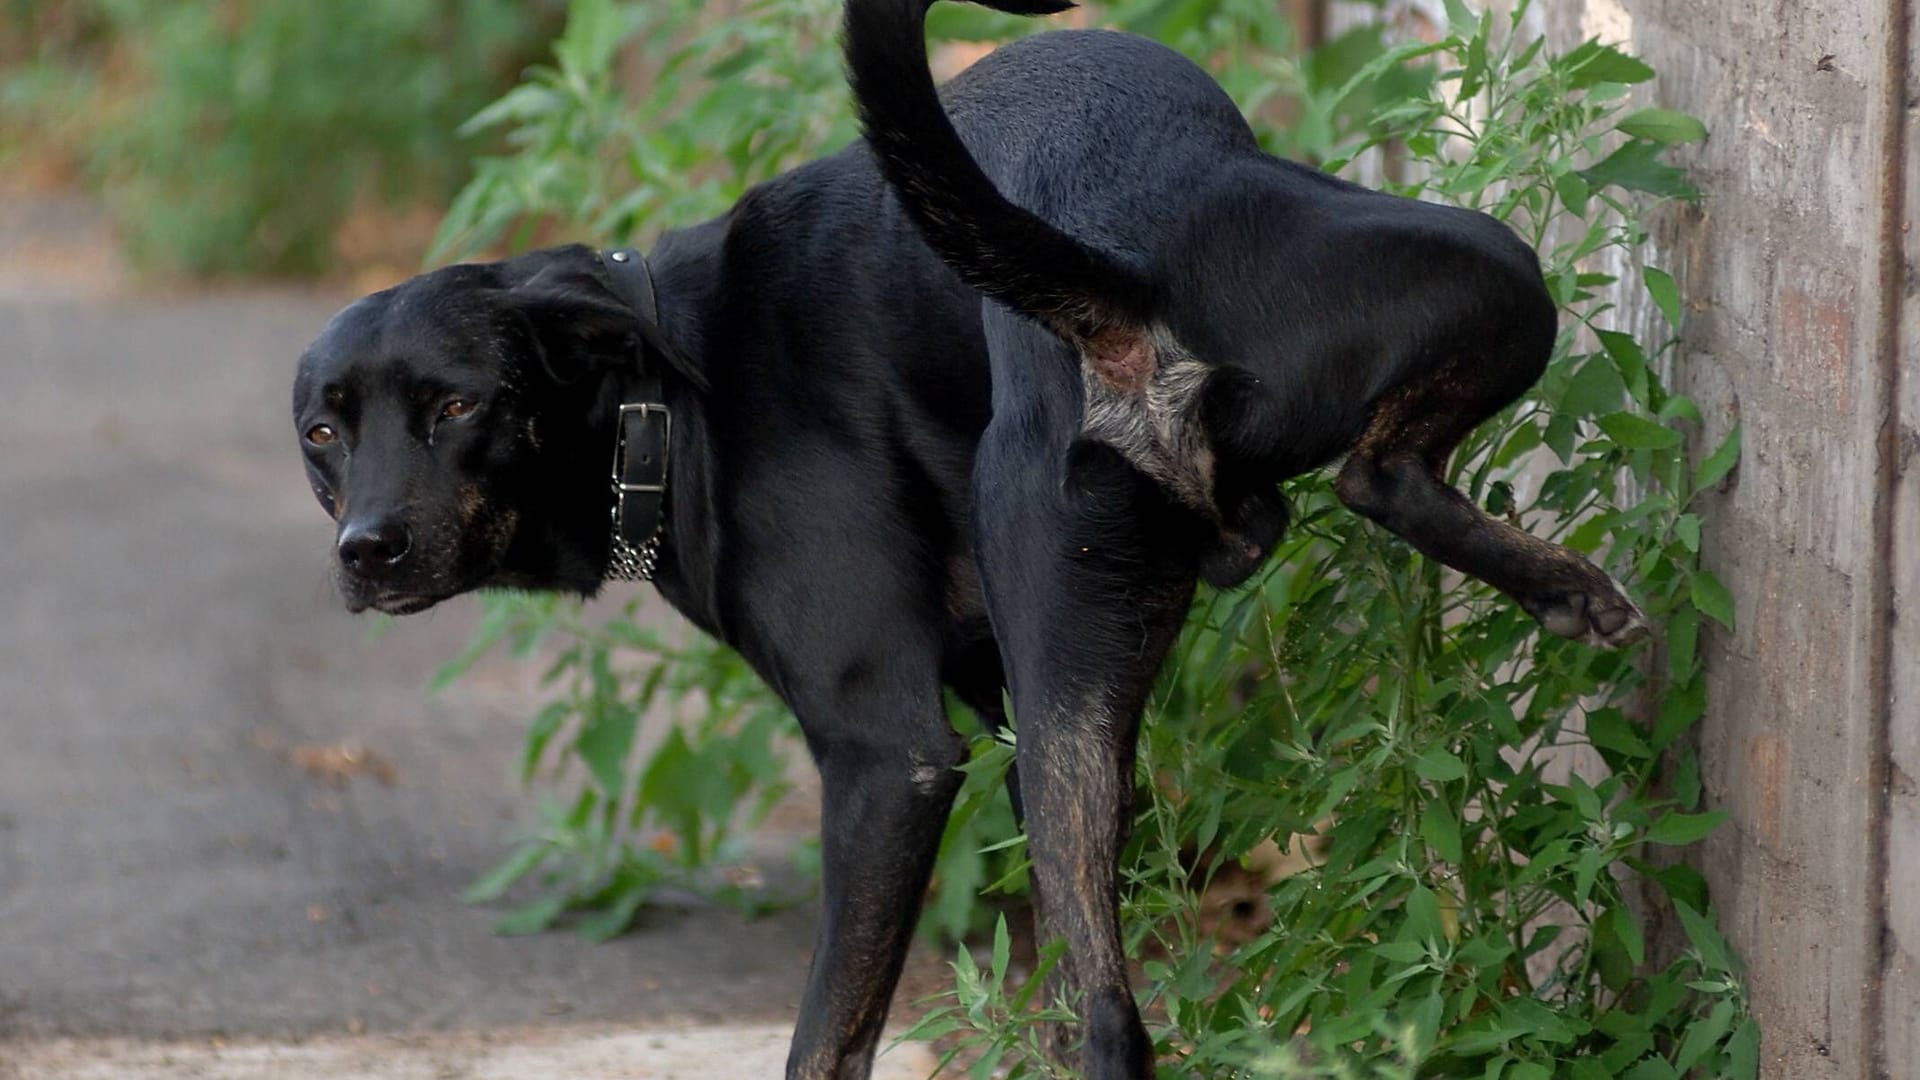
pixel 643 434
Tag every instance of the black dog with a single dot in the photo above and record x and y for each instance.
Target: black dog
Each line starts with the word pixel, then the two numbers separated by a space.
pixel 832 454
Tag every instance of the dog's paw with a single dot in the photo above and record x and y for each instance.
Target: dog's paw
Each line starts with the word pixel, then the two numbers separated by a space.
pixel 1602 617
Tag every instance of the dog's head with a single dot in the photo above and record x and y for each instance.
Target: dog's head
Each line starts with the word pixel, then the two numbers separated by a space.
pixel 457 427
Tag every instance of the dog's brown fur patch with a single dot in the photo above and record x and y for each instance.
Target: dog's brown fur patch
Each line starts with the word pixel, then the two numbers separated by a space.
pixel 1123 358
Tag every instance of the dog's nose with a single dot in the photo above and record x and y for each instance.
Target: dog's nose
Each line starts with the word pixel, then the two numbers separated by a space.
pixel 370 549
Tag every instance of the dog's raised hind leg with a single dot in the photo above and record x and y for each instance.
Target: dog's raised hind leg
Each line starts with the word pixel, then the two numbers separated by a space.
pixel 1393 475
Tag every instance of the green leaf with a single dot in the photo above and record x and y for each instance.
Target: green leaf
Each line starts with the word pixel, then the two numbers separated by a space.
pixel 1584 798
pixel 1682 884
pixel 1705 938
pixel 1473 75
pixel 1587 869
pixel 1594 389
pixel 1572 190
pixel 1662 125
pixel 1634 432
pixel 523 103
pixel 1002 946
pixel 532 918
pixel 1609 954
pixel 1590 1069
pixel 1630 359
pixel 606 734
pixel 1593 63
pixel 1743 1051
pixel 1683 633
pixel 1609 730
pixel 1541 1022
pixel 1438 765
pixel 1636 166
pixel 1650 1069
pixel 1559 436
pixel 1441 830
pixel 1423 914
pixel 1718 464
pixel 1686 782
pixel 1425 1018
pixel 615 913
pixel 1683 705
pixel 1679 407
pixel 594 30
pixel 1703 1035
pixel 509 870
pixel 1711 597
pixel 1626 926
pixel 1664 292
pixel 493 627
pixel 1680 829
pixel 540 731
pixel 1400 952
pixel 1687 528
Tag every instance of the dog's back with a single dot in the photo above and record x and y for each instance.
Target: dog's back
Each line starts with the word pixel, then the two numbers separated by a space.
pixel 1088 129
pixel 1107 187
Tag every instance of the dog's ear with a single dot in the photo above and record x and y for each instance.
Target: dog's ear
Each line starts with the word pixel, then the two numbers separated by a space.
pixel 578 327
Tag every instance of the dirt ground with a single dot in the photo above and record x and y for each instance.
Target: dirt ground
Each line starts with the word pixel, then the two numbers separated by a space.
pixel 541 1053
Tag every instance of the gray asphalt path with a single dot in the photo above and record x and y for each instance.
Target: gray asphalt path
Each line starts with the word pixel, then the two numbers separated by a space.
pixel 170 653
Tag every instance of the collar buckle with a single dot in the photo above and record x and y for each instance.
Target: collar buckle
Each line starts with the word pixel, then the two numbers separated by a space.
pixel 639 488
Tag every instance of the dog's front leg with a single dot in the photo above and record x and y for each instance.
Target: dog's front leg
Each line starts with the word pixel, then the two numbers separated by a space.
pixel 888 781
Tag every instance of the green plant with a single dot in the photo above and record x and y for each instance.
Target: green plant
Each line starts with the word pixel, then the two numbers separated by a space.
pixel 712 778
pixel 237 137
pixel 49 73
pixel 729 103
pixel 1468 913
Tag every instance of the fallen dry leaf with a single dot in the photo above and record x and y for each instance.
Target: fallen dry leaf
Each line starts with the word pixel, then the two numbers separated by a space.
pixel 336 765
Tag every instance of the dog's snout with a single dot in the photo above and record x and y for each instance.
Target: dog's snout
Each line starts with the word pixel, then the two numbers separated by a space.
pixel 371 548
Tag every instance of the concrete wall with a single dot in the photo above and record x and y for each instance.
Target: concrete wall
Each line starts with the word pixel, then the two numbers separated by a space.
pixel 1802 324
pixel 1900 996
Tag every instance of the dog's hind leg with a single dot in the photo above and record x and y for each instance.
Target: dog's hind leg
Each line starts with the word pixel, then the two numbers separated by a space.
pixel 1085 599
pixel 1394 475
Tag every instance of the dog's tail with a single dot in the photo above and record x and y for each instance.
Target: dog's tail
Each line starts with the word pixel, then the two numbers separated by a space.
pixel 1081 293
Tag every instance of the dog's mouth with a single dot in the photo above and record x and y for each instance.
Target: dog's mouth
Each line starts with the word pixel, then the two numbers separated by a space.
pixel 403 603
pixel 389 602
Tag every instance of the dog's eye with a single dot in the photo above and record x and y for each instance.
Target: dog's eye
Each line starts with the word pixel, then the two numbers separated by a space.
pixel 457 408
pixel 320 434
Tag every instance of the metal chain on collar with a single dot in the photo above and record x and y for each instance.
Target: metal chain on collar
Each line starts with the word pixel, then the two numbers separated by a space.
pixel 626 562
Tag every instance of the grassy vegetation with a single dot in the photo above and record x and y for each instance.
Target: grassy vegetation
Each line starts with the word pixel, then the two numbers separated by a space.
pixel 236 138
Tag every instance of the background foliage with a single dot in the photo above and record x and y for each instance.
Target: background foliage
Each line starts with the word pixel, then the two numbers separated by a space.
pixel 237 137
pixel 1481 801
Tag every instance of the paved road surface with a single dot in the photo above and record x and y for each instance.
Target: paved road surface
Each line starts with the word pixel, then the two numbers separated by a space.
pixel 168 647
